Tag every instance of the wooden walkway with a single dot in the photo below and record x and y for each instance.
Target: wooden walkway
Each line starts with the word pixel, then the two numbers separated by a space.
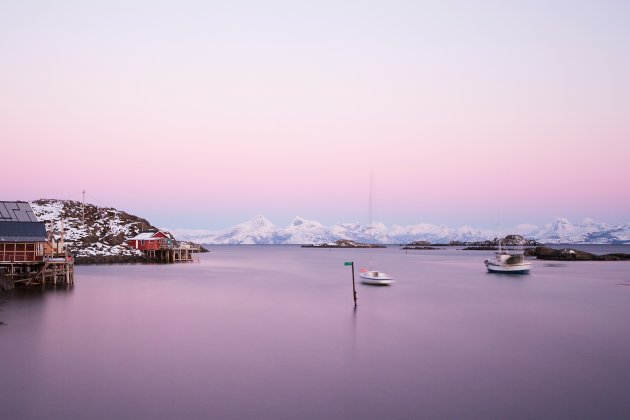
pixel 53 271
pixel 175 253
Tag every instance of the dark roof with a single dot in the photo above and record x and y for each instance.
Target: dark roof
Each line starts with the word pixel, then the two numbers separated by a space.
pixel 16 211
pixel 22 232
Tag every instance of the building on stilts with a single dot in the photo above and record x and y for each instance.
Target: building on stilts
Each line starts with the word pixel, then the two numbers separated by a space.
pixel 28 254
pixel 160 246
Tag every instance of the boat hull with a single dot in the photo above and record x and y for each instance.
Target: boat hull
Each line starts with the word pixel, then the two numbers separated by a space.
pixel 508 268
pixel 380 280
pixel 373 282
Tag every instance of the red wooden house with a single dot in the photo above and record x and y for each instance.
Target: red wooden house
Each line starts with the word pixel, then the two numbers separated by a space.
pixel 150 241
pixel 22 236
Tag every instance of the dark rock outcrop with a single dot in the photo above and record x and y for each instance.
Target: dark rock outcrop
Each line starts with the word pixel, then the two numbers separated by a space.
pixel 419 243
pixel 115 239
pixel 344 243
pixel 5 282
pixel 509 240
pixel 568 254
pixel 111 259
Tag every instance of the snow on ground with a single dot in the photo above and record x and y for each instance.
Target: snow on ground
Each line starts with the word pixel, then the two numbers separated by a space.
pixel 102 234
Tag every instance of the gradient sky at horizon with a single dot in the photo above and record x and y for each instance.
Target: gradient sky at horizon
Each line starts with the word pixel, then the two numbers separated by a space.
pixel 202 114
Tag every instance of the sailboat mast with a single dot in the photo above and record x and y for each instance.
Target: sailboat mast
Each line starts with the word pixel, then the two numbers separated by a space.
pixel 370 200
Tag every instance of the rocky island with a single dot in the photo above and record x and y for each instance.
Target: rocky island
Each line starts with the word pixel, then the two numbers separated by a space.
pixel 420 245
pixel 569 254
pixel 491 245
pixel 344 243
pixel 488 245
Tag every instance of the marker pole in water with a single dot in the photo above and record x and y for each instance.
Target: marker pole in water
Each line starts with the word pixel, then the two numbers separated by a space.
pixel 354 290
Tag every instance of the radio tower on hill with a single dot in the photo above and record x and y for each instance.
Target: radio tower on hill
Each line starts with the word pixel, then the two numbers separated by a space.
pixel 83 208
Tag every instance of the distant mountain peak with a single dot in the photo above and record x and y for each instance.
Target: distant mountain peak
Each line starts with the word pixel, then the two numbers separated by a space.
pixel 258 220
pixel 561 221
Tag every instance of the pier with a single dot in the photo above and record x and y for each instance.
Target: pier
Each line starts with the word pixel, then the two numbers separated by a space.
pixel 171 253
pixel 52 272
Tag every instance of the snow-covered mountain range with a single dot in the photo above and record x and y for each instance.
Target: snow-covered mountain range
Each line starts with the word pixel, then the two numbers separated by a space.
pixel 260 230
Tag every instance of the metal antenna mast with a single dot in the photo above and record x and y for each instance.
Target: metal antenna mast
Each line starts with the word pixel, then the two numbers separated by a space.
pixel 83 208
pixel 370 199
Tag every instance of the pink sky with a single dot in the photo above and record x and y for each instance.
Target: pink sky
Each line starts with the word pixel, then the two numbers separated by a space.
pixel 200 115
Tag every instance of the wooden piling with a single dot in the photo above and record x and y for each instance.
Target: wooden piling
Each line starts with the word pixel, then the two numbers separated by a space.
pixel 171 253
pixel 354 289
pixel 40 272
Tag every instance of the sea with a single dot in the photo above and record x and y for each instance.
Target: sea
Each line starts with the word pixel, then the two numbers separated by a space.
pixel 272 332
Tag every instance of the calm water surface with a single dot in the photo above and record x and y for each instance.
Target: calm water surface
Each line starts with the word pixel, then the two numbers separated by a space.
pixel 270 332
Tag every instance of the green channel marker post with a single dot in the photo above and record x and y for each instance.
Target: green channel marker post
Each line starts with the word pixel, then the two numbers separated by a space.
pixel 354 290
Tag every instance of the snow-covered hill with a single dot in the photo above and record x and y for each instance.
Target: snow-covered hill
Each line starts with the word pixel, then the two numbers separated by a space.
pixel 260 230
pixel 102 234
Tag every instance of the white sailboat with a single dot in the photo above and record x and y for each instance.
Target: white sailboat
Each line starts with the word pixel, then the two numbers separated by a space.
pixel 375 278
pixel 512 262
pixel 369 276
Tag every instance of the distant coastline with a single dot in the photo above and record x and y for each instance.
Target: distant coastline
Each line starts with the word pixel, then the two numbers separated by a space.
pixel 344 243
pixel 572 254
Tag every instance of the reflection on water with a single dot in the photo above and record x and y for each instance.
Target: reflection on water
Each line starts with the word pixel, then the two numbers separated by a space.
pixel 35 293
pixel 272 333
pixel 555 265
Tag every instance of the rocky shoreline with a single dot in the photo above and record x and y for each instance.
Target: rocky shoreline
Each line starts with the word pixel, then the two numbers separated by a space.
pixel 509 240
pixel 118 259
pixel 490 245
pixel 110 259
pixel 420 245
pixel 569 254
pixel 532 249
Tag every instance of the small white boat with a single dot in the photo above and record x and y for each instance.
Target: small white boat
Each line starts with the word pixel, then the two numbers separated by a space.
pixel 375 278
pixel 508 262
